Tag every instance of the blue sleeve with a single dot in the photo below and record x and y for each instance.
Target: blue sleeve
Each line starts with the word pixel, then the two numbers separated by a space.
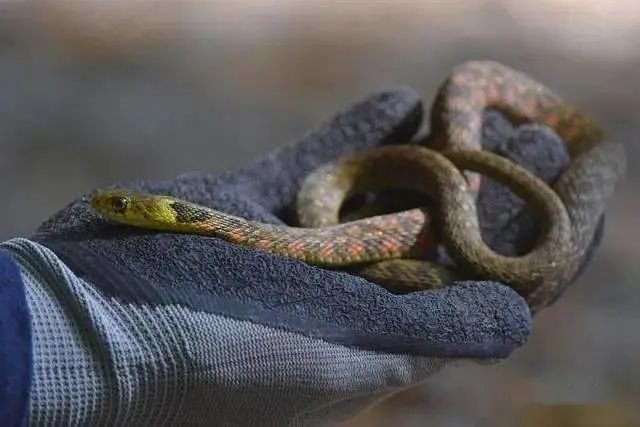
pixel 15 345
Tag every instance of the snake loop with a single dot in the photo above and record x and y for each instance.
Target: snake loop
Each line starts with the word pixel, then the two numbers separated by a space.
pixel 378 247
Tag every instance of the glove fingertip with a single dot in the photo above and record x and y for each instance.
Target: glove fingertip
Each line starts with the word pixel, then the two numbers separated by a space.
pixel 478 319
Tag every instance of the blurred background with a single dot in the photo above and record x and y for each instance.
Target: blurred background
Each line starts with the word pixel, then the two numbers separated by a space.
pixel 97 92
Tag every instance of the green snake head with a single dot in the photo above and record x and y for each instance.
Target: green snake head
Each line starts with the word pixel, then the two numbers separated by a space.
pixel 137 209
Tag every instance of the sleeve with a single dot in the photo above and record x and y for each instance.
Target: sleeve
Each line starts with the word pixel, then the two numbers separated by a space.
pixel 15 345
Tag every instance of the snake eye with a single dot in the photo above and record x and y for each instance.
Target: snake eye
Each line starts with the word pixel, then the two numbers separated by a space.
pixel 120 203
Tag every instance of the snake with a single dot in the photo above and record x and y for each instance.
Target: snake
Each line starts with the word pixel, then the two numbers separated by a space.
pixel 386 248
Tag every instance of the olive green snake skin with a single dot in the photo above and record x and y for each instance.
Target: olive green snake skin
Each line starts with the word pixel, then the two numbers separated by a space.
pixel 384 248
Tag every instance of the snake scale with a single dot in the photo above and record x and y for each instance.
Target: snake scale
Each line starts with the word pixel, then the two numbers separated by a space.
pixel 383 248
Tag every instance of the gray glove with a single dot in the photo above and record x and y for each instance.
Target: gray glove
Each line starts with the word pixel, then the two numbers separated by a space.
pixel 133 327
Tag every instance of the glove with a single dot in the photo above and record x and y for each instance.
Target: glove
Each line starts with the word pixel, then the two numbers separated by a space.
pixel 136 327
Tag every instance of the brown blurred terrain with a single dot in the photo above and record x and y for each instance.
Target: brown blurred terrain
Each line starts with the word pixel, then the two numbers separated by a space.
pixel 93 93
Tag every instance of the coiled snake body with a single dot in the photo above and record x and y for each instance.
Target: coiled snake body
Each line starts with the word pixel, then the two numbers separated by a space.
pixel 380 246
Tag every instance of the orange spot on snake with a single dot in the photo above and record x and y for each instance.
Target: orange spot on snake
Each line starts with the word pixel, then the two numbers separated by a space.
pixel 296 248
pixel 529 107
pixel 492 94
pixel 356 249
pixel 390 244
pixel 510 96
pixel 264 244
pixel 551 120
pixel 236 236
pixel 327 250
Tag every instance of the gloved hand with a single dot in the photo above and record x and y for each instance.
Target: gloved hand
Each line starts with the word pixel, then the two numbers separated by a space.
pixel 135 327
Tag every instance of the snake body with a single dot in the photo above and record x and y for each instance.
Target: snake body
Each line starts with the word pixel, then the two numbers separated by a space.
pixel 381 246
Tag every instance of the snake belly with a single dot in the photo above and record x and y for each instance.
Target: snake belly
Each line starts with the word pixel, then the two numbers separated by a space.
pixel 569 212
